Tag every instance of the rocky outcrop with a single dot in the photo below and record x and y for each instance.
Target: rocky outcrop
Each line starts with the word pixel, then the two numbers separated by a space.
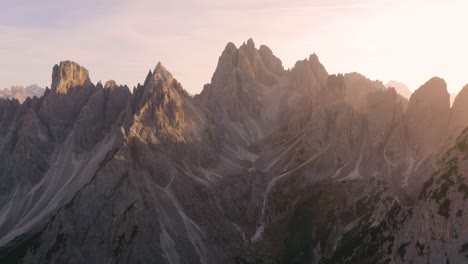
pixel 458 115
pixel 427 117
pixel 69 76
pixel 159 107
pixel 309 75
pixel 358 87
pixel 385 116
pixel 71 88
pixel 245 90
pixel 100 114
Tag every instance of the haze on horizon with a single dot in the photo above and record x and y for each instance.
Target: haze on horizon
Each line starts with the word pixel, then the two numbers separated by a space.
pixel 406 41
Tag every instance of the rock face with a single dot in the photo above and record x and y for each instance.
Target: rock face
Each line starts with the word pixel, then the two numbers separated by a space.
pixel 264 165
pixel 21 93
pixel 427 117
pixel 70 90
pixel 459 114
pixel 69 76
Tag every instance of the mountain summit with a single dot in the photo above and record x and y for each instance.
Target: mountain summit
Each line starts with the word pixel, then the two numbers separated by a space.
pixel 69 75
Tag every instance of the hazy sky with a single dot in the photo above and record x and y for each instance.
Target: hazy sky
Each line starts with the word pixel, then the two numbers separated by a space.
pixel 408 41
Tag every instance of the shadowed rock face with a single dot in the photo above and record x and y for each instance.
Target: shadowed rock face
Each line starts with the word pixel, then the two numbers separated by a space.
pixel 100 114
pixel 71 88
pixel 264 165
pixel 459 114
pixel 427 117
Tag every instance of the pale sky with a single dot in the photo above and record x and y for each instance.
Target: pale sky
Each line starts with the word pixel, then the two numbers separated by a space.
pixel 407 41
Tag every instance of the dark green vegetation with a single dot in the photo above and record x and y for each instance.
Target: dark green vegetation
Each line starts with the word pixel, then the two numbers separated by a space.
pixel 449 179
pixel 464 249
pixel 324 218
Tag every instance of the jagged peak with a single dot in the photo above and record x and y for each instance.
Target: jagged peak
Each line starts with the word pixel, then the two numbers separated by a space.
pixel 229 49
pixel 437 81
pixel 110 84
pixel 313 63
pixel 148 78
pixel 313 58
pixel 249 49
pixel 160 80
pixel 266 49
pixel 160 73
pixel 10 100
pixel 434 86
pixel 355 75
pixel 461 99
pixel 250 43
pixel 99 85
pixel 68 75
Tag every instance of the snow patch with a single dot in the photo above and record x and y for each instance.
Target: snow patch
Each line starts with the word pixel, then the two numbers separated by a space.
pixel 258 234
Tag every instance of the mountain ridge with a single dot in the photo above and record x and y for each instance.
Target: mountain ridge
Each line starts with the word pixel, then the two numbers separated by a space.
pixel 97 173
pixel 21 93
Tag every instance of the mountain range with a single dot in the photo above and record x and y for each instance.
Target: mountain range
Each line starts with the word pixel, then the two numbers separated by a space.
pixel 21 93
pixel 265 165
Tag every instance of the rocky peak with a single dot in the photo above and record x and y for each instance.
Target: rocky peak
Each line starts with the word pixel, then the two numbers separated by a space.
pixel 161 73
pixel 427 116
pixel 99 114
pixel 250 43
pixel 461 100
pixel 227 63
pixel 110 84
pixel 249 48
pixel 431 89
pixel 160 98
pixel 69 75
pixel 314 63
pixel 8 107
pixel 309 75
pixel 270 60
pixel 314 60
pixel 459 114
pixel 358 87
pixel 239 71
pixel 248 64
pixel 71 88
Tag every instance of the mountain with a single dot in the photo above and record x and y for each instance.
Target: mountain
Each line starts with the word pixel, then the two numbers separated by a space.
pixel 265 165
pixel 401 88
pixel 21 93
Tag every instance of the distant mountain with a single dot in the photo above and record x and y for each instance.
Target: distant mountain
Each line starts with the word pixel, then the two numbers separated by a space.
pixel 21 93
pixel 265 165
pixel 401 88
